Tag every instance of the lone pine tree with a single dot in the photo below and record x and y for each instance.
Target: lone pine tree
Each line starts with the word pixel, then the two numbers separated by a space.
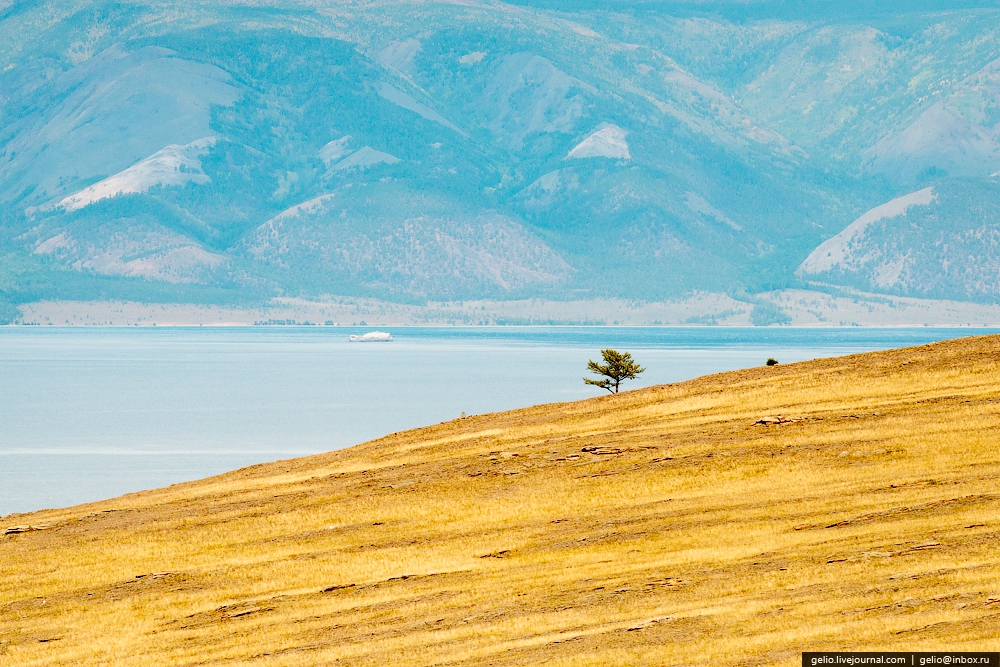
pixel 617 367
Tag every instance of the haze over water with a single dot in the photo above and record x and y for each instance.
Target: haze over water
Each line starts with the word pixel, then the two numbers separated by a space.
pixel 93 413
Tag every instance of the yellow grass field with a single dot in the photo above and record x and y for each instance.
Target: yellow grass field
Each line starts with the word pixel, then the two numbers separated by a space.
pixel 736 519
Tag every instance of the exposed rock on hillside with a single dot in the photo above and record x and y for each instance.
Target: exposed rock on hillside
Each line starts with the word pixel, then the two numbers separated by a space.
pixel 135 247
pixel 936 242
pixel 384 238
pixel 173 165
pixel 606 141
pixel 846 251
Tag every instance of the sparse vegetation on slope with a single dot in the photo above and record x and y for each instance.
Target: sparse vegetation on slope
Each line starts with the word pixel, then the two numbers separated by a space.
pixel 734 519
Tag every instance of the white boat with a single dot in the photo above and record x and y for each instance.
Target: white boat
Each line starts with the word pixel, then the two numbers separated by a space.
pixel 371 337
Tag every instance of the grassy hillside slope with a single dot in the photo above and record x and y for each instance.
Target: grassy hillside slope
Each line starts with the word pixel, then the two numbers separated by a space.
pixel 735 519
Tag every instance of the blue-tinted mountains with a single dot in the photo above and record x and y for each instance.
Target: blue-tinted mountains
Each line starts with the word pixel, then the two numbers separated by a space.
pixel 235 152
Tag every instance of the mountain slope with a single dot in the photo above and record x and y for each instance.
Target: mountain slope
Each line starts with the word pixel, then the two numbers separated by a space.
pixel 650 151
pixel 383 238
pixel 102 116
pixel 935 242
pixel 839 504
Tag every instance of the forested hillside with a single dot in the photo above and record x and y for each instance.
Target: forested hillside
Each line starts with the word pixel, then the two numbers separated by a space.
pixel 234 152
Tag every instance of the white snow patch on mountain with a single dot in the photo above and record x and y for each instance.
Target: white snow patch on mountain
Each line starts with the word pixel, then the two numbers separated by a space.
pixel 366 157
pixel 581 29
pixel 607 141
pixel 61 241
pixel 314 205
pixel 172 165
pixel 472 58
pixel 838 251
pixel 335 150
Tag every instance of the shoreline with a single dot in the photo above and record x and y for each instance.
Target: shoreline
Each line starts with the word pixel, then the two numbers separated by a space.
pixel 796 308
pixel 303 325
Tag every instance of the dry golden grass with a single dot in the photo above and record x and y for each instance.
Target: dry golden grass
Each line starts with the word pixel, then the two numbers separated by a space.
pixel 660 526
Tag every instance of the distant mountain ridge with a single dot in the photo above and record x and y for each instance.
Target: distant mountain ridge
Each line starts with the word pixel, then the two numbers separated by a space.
pixel 238 152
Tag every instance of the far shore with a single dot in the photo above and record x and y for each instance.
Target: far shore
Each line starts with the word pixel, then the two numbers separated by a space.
pixel 803 308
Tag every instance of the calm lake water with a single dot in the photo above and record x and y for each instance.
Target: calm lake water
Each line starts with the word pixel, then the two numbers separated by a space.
pixel 91 413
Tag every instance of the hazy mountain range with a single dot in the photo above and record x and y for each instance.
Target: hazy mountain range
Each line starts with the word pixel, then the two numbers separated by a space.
pixel 228 152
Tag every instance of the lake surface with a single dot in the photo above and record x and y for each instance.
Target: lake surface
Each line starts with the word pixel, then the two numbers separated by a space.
pixel 91 413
